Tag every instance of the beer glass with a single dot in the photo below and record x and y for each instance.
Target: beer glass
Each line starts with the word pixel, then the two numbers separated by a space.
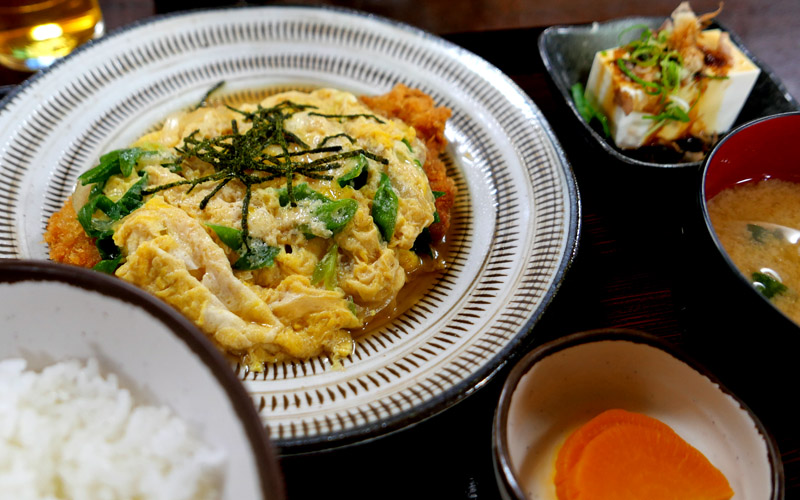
pixel 34 33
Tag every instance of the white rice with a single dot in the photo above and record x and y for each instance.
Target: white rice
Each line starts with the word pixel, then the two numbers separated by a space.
pixel 70 433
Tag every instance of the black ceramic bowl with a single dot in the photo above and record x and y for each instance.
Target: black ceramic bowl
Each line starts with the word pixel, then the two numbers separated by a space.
pixel 729 322
pixel 759 150
pixel 568 52
pixel 563 384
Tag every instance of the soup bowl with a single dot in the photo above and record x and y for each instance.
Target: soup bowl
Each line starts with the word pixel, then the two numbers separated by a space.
pixel 764 149
pixel 736 328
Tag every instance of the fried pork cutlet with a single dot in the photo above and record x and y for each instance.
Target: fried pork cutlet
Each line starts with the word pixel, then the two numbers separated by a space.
pixel 418 110
pixel 68 242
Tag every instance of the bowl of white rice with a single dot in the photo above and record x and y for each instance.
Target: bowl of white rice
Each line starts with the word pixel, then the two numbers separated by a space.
pixel 107 393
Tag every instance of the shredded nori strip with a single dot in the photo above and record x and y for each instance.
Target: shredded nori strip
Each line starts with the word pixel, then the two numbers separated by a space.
pixel 204 101
pixel 240 156
pixel 348 117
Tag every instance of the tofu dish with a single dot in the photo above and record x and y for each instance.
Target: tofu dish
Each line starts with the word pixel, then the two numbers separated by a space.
pixel 678 87
pixel 277 227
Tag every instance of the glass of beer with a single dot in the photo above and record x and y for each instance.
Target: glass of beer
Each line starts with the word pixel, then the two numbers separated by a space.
pixel 34 33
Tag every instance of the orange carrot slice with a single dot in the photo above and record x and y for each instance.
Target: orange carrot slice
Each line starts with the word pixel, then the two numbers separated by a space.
pixel 573 447
pixel 630 456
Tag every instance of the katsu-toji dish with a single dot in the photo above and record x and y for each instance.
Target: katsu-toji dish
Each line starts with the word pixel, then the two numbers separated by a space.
pixel 277 227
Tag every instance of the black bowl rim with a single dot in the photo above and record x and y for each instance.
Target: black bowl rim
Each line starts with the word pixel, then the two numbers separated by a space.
pixel 270 479
pixel 548 33
pixel 500 457
pixel 709 227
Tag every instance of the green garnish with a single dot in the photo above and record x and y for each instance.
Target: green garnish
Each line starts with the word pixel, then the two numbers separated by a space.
pixel 325 271
pixel 672 111
pixel 101 227
pixel 438 194
pixel 423 245
pixel 759 233
pixel 650 50
pixel 256 254
pixel 586 110
pixel 384 208
pixel 645 34
pixel 767 285
pixel 301 192
pixel 646 56
pixel 357 176
pixel 228 235
pixel 671 64
pixel 119 161
pixel 408 145
pixel 713 77
pixel 108 266
pixel 132 199
pixel 336 214
pixel 655 88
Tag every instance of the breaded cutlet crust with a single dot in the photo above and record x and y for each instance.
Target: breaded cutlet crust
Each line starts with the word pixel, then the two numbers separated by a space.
pixel 68 242
pixel 418 109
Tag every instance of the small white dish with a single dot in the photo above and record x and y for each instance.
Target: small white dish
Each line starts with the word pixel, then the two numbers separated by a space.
pixel 558 387
pixel 52 313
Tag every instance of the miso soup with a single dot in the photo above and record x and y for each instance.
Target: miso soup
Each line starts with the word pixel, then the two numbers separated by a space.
pixel 758 224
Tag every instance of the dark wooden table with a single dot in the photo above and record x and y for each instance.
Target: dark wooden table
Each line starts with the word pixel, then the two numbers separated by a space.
pixel 634 267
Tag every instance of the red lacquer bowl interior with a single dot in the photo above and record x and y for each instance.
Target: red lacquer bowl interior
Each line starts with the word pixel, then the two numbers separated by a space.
pixel 764 149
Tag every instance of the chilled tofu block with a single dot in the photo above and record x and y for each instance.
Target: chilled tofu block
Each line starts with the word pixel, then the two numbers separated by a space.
pixel 711 97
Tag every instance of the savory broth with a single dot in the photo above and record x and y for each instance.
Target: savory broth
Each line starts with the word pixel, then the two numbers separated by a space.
pixel 415 289
pixel 758 225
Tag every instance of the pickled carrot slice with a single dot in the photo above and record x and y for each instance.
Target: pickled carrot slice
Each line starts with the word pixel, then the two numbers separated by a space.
pixel 630 456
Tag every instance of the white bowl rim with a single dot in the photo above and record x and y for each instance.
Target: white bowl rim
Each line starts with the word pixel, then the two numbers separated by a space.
pixel 500 448
pixel 14 271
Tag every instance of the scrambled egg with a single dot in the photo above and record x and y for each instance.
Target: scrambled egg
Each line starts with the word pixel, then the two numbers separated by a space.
pixel 171 249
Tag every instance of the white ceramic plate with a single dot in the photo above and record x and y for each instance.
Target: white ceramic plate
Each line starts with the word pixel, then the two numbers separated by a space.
pixel 515 221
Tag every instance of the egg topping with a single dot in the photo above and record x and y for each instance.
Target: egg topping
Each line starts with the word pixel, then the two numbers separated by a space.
pixel 275 227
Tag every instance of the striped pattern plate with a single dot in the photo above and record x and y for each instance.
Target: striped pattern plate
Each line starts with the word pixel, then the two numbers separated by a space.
pixel 515 222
